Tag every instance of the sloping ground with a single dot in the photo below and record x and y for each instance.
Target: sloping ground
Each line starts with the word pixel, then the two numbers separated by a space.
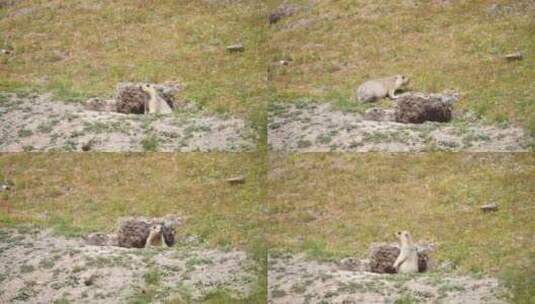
pixel 333 46
pixel 41 268
pixel 38 123
pixel 294 279
pixel 317 127
pixel 81 49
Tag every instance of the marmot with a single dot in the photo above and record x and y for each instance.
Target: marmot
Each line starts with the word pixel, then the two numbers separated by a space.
pixel 373 90
pixel 155 237
pixel 407 261
pixel 156 104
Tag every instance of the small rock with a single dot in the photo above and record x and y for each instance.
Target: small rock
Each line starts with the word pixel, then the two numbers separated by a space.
pixel 514 56
pixel 97 104
pixel 378 114
pixel 236 180
pixel 88 145
pixel 236 48
pixel 447 266
pixel 283 62
pixel 97 239
pixel 283 11
pixel 492 207
pixel 442 2
pixel 90 280
pixel 6 51
pixel 4 187
pixel 353 264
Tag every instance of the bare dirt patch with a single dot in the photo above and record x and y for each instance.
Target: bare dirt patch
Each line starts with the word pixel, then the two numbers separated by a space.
pixel 318 127
pixel 39 267
pixel 295 279
pixel 39 123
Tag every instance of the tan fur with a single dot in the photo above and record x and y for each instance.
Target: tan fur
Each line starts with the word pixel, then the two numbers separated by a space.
pixel 155 237
pixel 156 104
pixel 373 90
pixel 407 261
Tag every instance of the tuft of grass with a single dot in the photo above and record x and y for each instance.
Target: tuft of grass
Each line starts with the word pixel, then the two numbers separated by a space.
pixel 152 277
pixel 521 281
pixel 406 299
pixel 26 268
pixel 150 143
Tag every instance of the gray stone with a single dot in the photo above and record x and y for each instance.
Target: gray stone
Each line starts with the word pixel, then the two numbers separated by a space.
pixel 236 180
pixel 283 11
pixel 514 56
pixel 235 48
pixel 101 105
pixel 353 264
pixel 421 107
pixel 378 114
pixel 100 239
pixel 491 207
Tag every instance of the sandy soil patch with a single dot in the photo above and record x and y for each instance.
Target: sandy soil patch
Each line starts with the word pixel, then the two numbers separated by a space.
pixel 39 123
pixel 317 127
pixel 295 279
pixel 39 267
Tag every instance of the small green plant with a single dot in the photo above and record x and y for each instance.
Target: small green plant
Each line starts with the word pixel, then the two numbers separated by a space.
pixel 152 277
pixel 304 143
pixel 25 133
pixel 406 299
pixel 150 143
pixel 26 268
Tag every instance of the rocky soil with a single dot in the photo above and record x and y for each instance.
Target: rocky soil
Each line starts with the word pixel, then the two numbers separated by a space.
pixel 38 267
pixel 295 279
pixel 318 127
pixel 39 123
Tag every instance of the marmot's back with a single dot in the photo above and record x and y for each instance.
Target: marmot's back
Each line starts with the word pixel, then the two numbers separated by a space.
pixel 371 90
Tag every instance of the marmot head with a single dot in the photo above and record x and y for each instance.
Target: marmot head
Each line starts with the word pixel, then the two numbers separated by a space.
pixel 169 233
pixel 402 80
pixel 404 236
pixel 147 87
pixel 155 229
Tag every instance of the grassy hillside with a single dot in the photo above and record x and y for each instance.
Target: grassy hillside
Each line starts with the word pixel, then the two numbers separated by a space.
pixel 334 45
pixel 78 193
pixel 78 48
pixel 336 205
